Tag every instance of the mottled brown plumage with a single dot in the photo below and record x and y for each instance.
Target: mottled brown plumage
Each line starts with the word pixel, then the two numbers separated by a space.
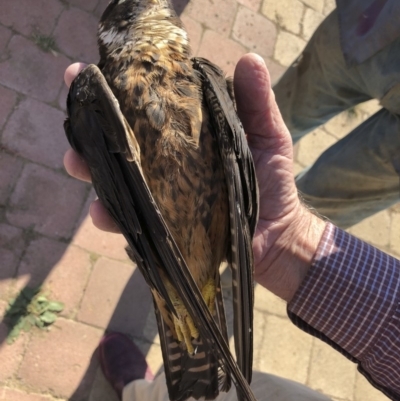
pixel 179 138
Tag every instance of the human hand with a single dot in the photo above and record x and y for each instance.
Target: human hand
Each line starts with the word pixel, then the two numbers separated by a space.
pixel 287 234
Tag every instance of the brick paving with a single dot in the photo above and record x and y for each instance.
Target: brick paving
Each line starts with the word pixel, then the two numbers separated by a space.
pixel 46 236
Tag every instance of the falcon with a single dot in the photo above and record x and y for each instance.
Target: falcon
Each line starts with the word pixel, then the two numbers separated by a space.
pixel 169 160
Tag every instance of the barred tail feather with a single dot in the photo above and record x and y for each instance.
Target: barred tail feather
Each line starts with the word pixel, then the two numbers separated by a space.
pixel 187 375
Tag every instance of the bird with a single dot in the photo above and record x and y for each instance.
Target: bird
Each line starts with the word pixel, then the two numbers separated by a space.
pixel 169 160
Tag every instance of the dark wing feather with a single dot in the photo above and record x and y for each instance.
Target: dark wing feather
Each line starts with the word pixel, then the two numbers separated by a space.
pixel 243 204
pixel 94 131
pixel 96 124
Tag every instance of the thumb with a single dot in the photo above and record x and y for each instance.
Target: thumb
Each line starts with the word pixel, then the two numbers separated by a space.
pixel 72 71
pixel 257 108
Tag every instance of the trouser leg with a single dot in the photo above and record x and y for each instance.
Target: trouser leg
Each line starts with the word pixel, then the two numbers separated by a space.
pixel 319 85
pixel 359 175
pixel 266 388
pixel 143 390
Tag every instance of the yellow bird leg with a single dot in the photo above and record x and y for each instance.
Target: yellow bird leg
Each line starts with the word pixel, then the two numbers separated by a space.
pixel 192 328
pixel 185 328
pixel 178 329
pixel 209 293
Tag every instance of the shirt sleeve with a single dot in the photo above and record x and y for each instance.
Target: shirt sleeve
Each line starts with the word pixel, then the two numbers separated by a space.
pixel 350 299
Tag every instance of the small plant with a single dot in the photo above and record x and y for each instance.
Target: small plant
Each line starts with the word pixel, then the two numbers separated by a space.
pixel 30 308
pixel 46 43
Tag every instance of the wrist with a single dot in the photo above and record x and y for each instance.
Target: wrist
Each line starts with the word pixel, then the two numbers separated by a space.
pixel 291 246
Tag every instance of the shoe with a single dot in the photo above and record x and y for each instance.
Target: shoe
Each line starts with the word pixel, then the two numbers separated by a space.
pixel 122 361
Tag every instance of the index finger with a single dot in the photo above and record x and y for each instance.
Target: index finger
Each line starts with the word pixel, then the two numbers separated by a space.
pixel 72 71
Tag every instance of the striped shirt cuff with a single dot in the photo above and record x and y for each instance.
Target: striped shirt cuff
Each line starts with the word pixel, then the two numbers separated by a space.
pixel 350 299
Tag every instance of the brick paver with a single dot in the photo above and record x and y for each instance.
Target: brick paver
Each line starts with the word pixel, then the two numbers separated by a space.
pixel 217 16
pixel 99 243
pixel 40 257
pixel 50 365
pixel 5 35
pixel 35 132
pixel 293 359
pixel 46 200
pixel 312 19
pixel 331 373
pixel 255 32
pixel 317 5
pixel 46 236
pixel 288 46
pixel 375 229
pixel 76 35
pixel 74 266
pixel 30 17
pixel 364 391
pixel 10 394
pixel 195 32
pixel 51 264
pixel 8 99
pixel 251 4
pixel 394 233
pixel 12 245
pixel 115 292
pixel 285 13
pixel 223 51
pixel 101 6
pixel 88 5
pixel 10 170
pixel 10 357
pixel 9 263
pixel 311 147
pixel 31 71
pixel 329 6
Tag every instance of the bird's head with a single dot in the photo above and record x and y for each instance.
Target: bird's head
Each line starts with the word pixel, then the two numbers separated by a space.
pixel 121 17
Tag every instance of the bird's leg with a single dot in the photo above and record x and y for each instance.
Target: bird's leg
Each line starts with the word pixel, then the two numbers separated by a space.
pixel 209 292
pixel 186 330
pixel 184 325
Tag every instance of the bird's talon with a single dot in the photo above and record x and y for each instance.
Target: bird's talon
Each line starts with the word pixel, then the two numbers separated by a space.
pixel 185 328
pixel 178 329
pixel 209 293
pixel 192 328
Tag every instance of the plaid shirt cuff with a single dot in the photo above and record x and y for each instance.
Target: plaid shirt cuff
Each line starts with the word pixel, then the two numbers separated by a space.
pixel 350 299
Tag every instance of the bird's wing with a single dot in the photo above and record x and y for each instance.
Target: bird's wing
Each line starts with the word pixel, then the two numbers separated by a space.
pixel 98 131
pixel 243 203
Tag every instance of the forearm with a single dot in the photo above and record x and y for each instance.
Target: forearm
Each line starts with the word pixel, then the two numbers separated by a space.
pixel 339 289
pixel 350 299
